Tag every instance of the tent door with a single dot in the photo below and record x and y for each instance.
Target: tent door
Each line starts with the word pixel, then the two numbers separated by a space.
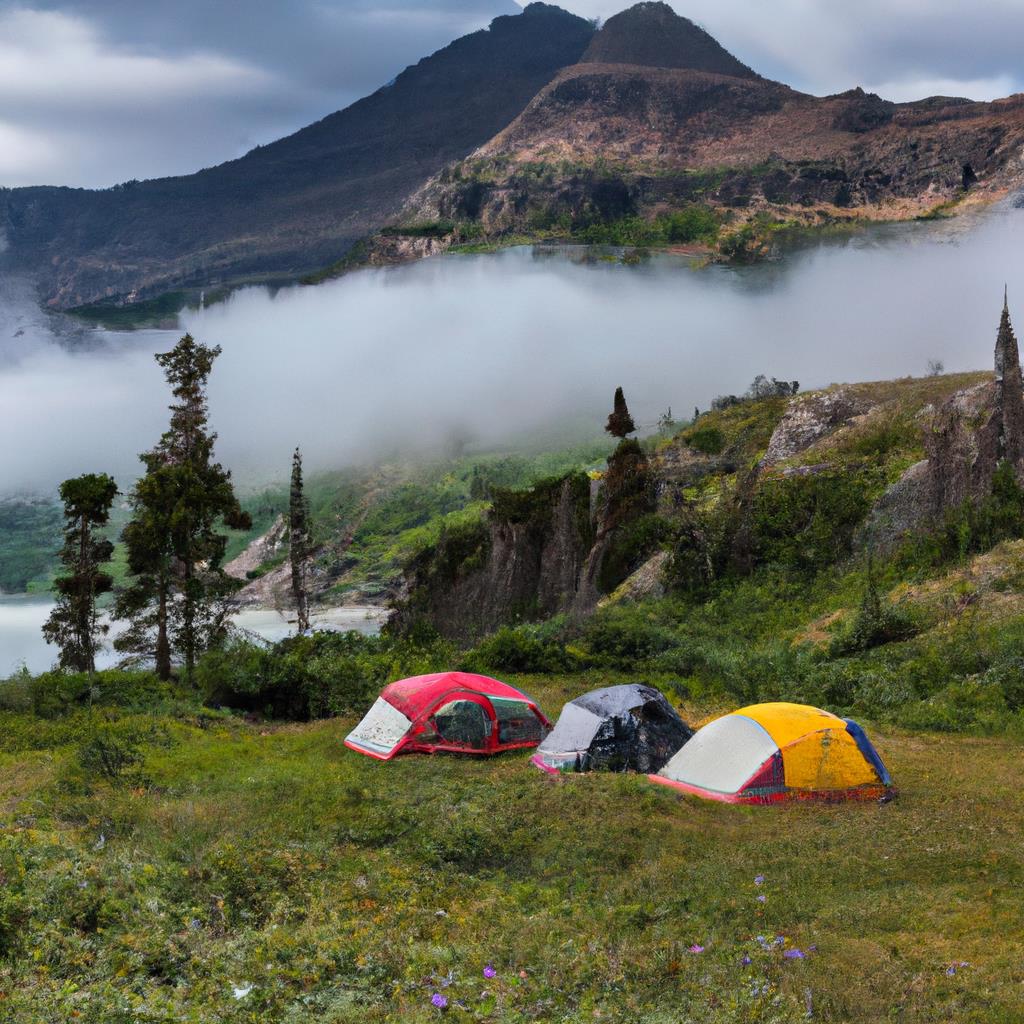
pixel 463 722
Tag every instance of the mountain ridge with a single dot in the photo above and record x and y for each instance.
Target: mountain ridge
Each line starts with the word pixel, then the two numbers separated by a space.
pixel 537 120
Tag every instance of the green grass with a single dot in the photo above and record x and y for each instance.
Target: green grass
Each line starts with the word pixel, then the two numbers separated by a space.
pixel 369 883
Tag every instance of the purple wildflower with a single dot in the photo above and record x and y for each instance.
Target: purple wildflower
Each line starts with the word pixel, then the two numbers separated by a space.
pixel 762 898
pixel 695 948
pixel 794 954
pixel 440 1001
pixel 758 879
pixel 780 940
pixel 489 971
pixel 746 961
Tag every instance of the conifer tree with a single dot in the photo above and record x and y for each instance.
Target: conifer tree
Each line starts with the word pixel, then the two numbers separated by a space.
pixel 620 423
pixel 298 545
pixel 175 602
pixel 73 624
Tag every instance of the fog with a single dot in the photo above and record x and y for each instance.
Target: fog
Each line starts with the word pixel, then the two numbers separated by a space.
pixel 498 345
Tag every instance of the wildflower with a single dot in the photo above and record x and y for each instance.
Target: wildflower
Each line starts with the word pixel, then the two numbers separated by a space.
pixel 746 961
pixel 795 954
pixel 440 1001
pixel 780 940
pixel 952 968
pixel 758 879
pixel 489 971
pixel 762 898
pixel 241 991
pixel 523 974
pixel 695 948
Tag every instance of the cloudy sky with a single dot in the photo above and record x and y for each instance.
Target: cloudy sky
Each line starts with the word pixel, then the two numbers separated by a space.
pixel 93 92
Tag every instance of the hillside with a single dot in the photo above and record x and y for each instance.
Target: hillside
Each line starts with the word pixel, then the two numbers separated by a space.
pixel 299 203
pixel 658 124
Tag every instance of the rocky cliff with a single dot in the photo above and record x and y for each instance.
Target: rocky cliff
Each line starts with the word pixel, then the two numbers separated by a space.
pixel 522 563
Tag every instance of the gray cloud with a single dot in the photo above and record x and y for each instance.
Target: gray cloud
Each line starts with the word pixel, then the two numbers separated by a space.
pixel 93 92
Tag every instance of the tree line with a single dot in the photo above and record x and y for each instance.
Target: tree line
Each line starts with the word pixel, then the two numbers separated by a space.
pixel 177 599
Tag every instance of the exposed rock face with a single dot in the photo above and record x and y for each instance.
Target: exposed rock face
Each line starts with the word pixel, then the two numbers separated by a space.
pixel 965 439
pixel 523 563
pixel 809 418
pixel 962 439
pixel 259 551
pixel 647 582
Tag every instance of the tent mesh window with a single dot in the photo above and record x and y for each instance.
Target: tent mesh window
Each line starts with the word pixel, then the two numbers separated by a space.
pixel 462 723
pixel 516 722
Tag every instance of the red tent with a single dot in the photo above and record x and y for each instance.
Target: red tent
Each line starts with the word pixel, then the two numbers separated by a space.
pixel 451 711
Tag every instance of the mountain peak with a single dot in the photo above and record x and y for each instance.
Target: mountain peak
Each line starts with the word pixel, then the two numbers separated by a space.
pixel 653 35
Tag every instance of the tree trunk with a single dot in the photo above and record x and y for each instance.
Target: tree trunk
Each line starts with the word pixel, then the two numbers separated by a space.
pixel 163 646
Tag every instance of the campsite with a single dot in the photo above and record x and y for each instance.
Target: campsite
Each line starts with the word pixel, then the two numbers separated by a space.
pixel 264 871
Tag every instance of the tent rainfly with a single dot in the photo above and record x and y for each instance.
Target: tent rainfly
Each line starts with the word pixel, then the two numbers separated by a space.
pixel 767 753
pixel 619 728
pixel 449 711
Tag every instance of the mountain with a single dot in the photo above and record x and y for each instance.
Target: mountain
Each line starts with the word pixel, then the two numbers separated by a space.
pixel 657 120
pixel 299 203
pixel 652 34
pixel 644 132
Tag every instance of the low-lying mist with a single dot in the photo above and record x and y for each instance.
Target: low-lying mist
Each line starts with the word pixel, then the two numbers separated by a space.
pixel 497 346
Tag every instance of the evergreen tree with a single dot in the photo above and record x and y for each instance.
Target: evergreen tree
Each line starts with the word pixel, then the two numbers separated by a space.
pixel 73 624
pixel 177 598
pixel 620 423
pixel 298 546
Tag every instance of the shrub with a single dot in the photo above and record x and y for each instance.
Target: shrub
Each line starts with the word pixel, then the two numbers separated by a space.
pixel 57 693
pixel 307 677
pixel 709 440
pixel 519 649
pixel 624 637
pixel 111 750
pixel 876 622
pixel 807 522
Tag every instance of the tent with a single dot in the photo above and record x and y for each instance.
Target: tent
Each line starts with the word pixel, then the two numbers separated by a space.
pixel 448 711
pixel 771 752
pixel 619 728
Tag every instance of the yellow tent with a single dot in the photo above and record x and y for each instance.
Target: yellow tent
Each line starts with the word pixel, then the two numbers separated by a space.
pixel 770 752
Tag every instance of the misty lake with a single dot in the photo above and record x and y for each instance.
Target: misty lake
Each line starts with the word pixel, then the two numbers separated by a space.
pixel 22 618
pixel 496 345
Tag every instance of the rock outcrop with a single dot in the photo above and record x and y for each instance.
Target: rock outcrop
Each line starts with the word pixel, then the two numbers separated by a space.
pixel 974 431
pixel 811 417
pixel 965 438
pixel 524 562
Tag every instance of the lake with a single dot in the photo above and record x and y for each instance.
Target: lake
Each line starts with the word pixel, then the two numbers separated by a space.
pixel 21 639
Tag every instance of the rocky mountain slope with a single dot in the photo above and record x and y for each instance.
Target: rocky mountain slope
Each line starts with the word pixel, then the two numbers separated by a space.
pixel 538 127
pixel 299 203
pixel 656 119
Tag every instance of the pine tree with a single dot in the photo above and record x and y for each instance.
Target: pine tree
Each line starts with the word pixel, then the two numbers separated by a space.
pixel 620 423
pixel 73 624
pixel 176 601
pixel 298 547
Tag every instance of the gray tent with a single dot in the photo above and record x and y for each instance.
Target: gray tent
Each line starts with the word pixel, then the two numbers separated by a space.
pixel 620 728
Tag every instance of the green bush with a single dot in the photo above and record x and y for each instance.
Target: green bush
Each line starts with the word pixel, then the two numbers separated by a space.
pixel 52 694
pixel 520 649
pixel 807 522
pixel 111 749
pixel 709 440
pixel 876 622
pixel 624 637
pixel 317 676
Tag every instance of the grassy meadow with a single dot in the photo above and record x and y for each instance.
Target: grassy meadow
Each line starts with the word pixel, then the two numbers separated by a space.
pixel 228 871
